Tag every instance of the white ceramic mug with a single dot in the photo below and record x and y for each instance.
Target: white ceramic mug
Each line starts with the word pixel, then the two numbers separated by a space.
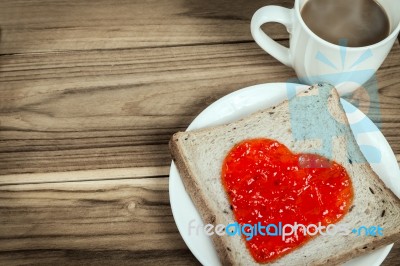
pixel 315 59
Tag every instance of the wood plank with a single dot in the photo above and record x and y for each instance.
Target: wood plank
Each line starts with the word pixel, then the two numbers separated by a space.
pixel 119 222
pixel 43 26
pixel 90 110
pixel 84 175
pixel 117 109
pixel 98 257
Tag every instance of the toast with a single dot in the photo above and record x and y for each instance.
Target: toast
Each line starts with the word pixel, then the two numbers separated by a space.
pixel 199 155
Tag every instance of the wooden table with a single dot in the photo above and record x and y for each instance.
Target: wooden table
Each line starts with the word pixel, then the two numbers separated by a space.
pixel 90 93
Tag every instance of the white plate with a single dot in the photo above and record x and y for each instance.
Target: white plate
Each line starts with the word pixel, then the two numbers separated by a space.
pixel 242 103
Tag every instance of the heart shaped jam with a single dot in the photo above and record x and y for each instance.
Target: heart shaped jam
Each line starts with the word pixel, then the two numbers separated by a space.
pixel 267 183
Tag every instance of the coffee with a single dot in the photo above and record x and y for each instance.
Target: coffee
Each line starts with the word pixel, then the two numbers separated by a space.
pixel 358 22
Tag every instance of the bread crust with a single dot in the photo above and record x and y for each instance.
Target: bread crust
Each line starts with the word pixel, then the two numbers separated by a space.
pixel 202 203
pixel 198 198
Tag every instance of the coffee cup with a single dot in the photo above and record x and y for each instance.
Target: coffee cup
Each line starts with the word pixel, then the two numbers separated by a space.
pixel 316 59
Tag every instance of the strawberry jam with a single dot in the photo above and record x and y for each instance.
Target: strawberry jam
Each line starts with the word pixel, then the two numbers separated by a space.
pixel 266 183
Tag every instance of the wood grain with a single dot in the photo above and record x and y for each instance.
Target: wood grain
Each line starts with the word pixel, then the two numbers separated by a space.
pixel 84 175
pixel 97 222
pixel 393 258
pixel 43 26
pixel 92 109
pixel 89 110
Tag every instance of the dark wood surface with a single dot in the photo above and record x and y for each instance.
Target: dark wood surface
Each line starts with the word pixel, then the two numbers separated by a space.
pixel 90 93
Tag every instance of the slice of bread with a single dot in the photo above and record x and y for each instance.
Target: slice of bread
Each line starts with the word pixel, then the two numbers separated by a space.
pixel 199 155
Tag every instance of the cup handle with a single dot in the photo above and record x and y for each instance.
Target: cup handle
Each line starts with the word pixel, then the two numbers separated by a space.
pixel 272 14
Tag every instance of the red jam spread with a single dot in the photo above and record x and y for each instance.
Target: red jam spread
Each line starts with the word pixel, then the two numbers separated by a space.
pixel 268 183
